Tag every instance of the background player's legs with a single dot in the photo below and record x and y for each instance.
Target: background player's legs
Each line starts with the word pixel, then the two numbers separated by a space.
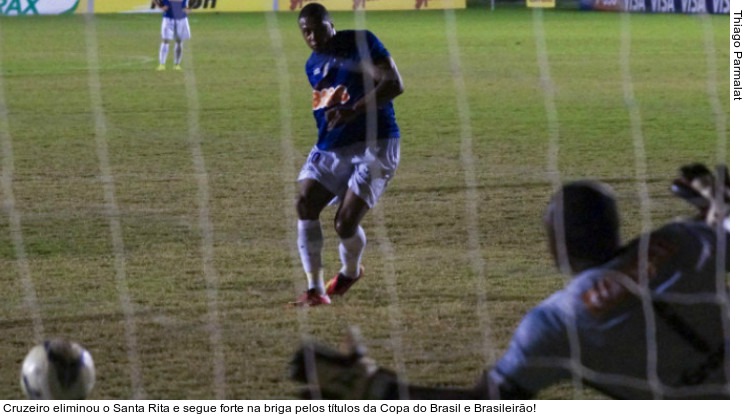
pixel 166 34
pixel 181 32
pixel 178 52
pixel 164 46
pixel 311 200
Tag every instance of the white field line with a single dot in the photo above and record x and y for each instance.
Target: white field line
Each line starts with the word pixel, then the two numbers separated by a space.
pixel 381 233
pixel 112 209
pixel 206 227
pixel 14 215
pixel 289 181
pixel 471 187
pixel 553 172
pixel 551 112
pixel 641 172
pixel 288 151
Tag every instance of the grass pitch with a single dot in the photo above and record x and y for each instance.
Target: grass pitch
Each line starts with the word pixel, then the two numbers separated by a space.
pixel 456 251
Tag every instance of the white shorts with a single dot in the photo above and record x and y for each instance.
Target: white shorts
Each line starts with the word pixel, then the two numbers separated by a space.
pixel 365 171
pixel 175 29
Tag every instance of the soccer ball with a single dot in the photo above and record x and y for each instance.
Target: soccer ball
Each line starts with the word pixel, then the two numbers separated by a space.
pixel 58 369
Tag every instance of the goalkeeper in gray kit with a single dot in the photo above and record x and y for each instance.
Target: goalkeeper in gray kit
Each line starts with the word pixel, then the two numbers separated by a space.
pixel 645 320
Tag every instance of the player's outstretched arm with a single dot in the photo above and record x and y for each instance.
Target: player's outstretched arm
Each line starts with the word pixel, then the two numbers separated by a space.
pixel 327 373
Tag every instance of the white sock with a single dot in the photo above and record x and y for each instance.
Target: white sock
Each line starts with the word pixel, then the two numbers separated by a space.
pixel 310 247
pixel 351 249
pixel 163 52
pixel 178 53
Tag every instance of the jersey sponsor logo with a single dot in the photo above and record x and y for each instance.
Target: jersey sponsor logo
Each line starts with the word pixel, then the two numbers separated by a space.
pixel 37 7
pixel 329 97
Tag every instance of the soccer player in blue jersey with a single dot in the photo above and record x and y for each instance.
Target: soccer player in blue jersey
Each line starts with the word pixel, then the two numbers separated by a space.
pixel 175 27
pixel 354 81
pixel 647 320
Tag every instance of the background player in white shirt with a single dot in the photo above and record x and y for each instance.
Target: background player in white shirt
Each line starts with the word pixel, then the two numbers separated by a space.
pixel 648 320
pixel 175 27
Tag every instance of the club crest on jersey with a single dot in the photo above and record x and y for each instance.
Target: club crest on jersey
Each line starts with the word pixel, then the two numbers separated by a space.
pixel 329 97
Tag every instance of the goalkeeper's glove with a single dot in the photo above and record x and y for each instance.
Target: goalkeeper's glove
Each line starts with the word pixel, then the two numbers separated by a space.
pixel 707 191
pixel 331 374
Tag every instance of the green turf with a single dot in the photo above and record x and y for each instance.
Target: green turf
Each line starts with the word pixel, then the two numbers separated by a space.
pixel 418 304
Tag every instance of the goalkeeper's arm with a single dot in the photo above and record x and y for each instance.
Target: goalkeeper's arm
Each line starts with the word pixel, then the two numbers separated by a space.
pixel 331 374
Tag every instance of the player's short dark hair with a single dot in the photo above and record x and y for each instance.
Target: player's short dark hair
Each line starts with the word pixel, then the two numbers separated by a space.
pixel 314 11
pixel 590 218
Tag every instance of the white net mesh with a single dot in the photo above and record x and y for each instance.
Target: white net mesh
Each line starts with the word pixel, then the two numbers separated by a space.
pixel 198 307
